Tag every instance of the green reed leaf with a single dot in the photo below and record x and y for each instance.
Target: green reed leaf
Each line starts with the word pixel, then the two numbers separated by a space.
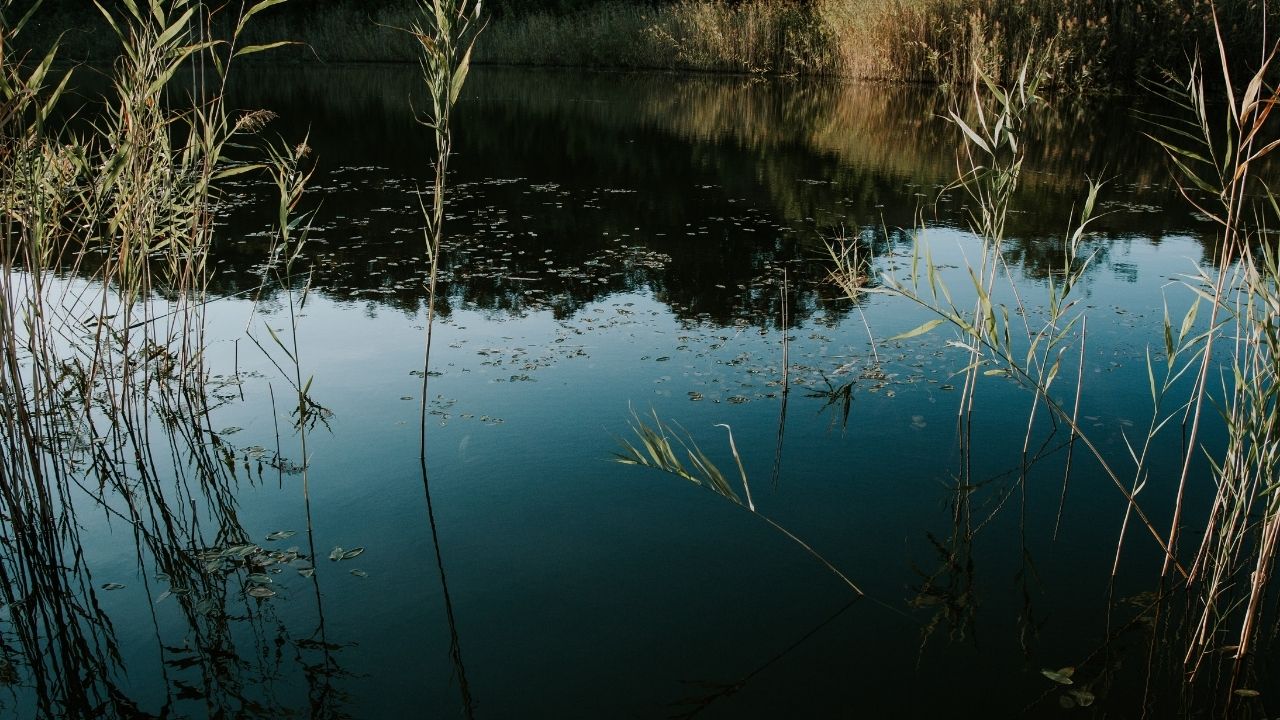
pixel 252 49
pixel 919 330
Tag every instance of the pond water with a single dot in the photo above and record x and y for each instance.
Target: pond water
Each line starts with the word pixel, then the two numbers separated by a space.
pixel 624 243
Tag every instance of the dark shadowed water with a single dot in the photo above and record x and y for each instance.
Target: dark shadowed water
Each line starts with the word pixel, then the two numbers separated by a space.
pixel 619 243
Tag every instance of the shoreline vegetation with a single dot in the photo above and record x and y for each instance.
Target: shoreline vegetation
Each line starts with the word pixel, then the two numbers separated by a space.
pixel 1091 46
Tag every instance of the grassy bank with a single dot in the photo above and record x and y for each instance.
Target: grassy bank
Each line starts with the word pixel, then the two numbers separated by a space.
pixel 1093 44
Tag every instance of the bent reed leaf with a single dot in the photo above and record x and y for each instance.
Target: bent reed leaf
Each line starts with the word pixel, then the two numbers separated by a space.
pixel 920 330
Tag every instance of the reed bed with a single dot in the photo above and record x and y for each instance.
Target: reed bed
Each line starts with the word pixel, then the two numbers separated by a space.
pixel 753 37
pixel 105 397
pixel 1215 565
pixel 1098 45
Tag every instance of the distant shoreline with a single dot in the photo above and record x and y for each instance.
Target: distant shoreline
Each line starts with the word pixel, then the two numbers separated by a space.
pixel 1089 47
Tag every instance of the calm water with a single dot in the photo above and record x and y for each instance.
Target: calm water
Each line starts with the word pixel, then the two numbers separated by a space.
pixel 618 243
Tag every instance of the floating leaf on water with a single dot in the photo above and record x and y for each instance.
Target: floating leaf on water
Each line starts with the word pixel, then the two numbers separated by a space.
pixel 307 572
pixel 259 579
pixel 240 551
pixel 353 552
pixel 261 592
pixel 1246 692
pixel 359 573
pixel 113 586
pixel 282 534
pixel 1082 697
pixel 163 595
pixel 207 606
pixel 336 553
pixel 922 329
pixel 230 430
pixel 1062 677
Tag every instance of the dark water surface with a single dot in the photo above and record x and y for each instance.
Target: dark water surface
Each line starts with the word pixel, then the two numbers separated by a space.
pixel 618 242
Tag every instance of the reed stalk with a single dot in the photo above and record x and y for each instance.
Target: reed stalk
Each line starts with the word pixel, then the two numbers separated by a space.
pixel 446 33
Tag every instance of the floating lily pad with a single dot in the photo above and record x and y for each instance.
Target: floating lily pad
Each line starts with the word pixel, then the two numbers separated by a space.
pixel 261 592
pixel 282 534
pixel 113 586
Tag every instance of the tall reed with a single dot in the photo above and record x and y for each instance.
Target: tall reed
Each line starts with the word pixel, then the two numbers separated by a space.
pixel 446 32
pixel 1231 569
pixel 104 391
pixel 1225 578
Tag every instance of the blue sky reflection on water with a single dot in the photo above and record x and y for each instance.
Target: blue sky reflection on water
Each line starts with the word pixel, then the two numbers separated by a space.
pixel 580 587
